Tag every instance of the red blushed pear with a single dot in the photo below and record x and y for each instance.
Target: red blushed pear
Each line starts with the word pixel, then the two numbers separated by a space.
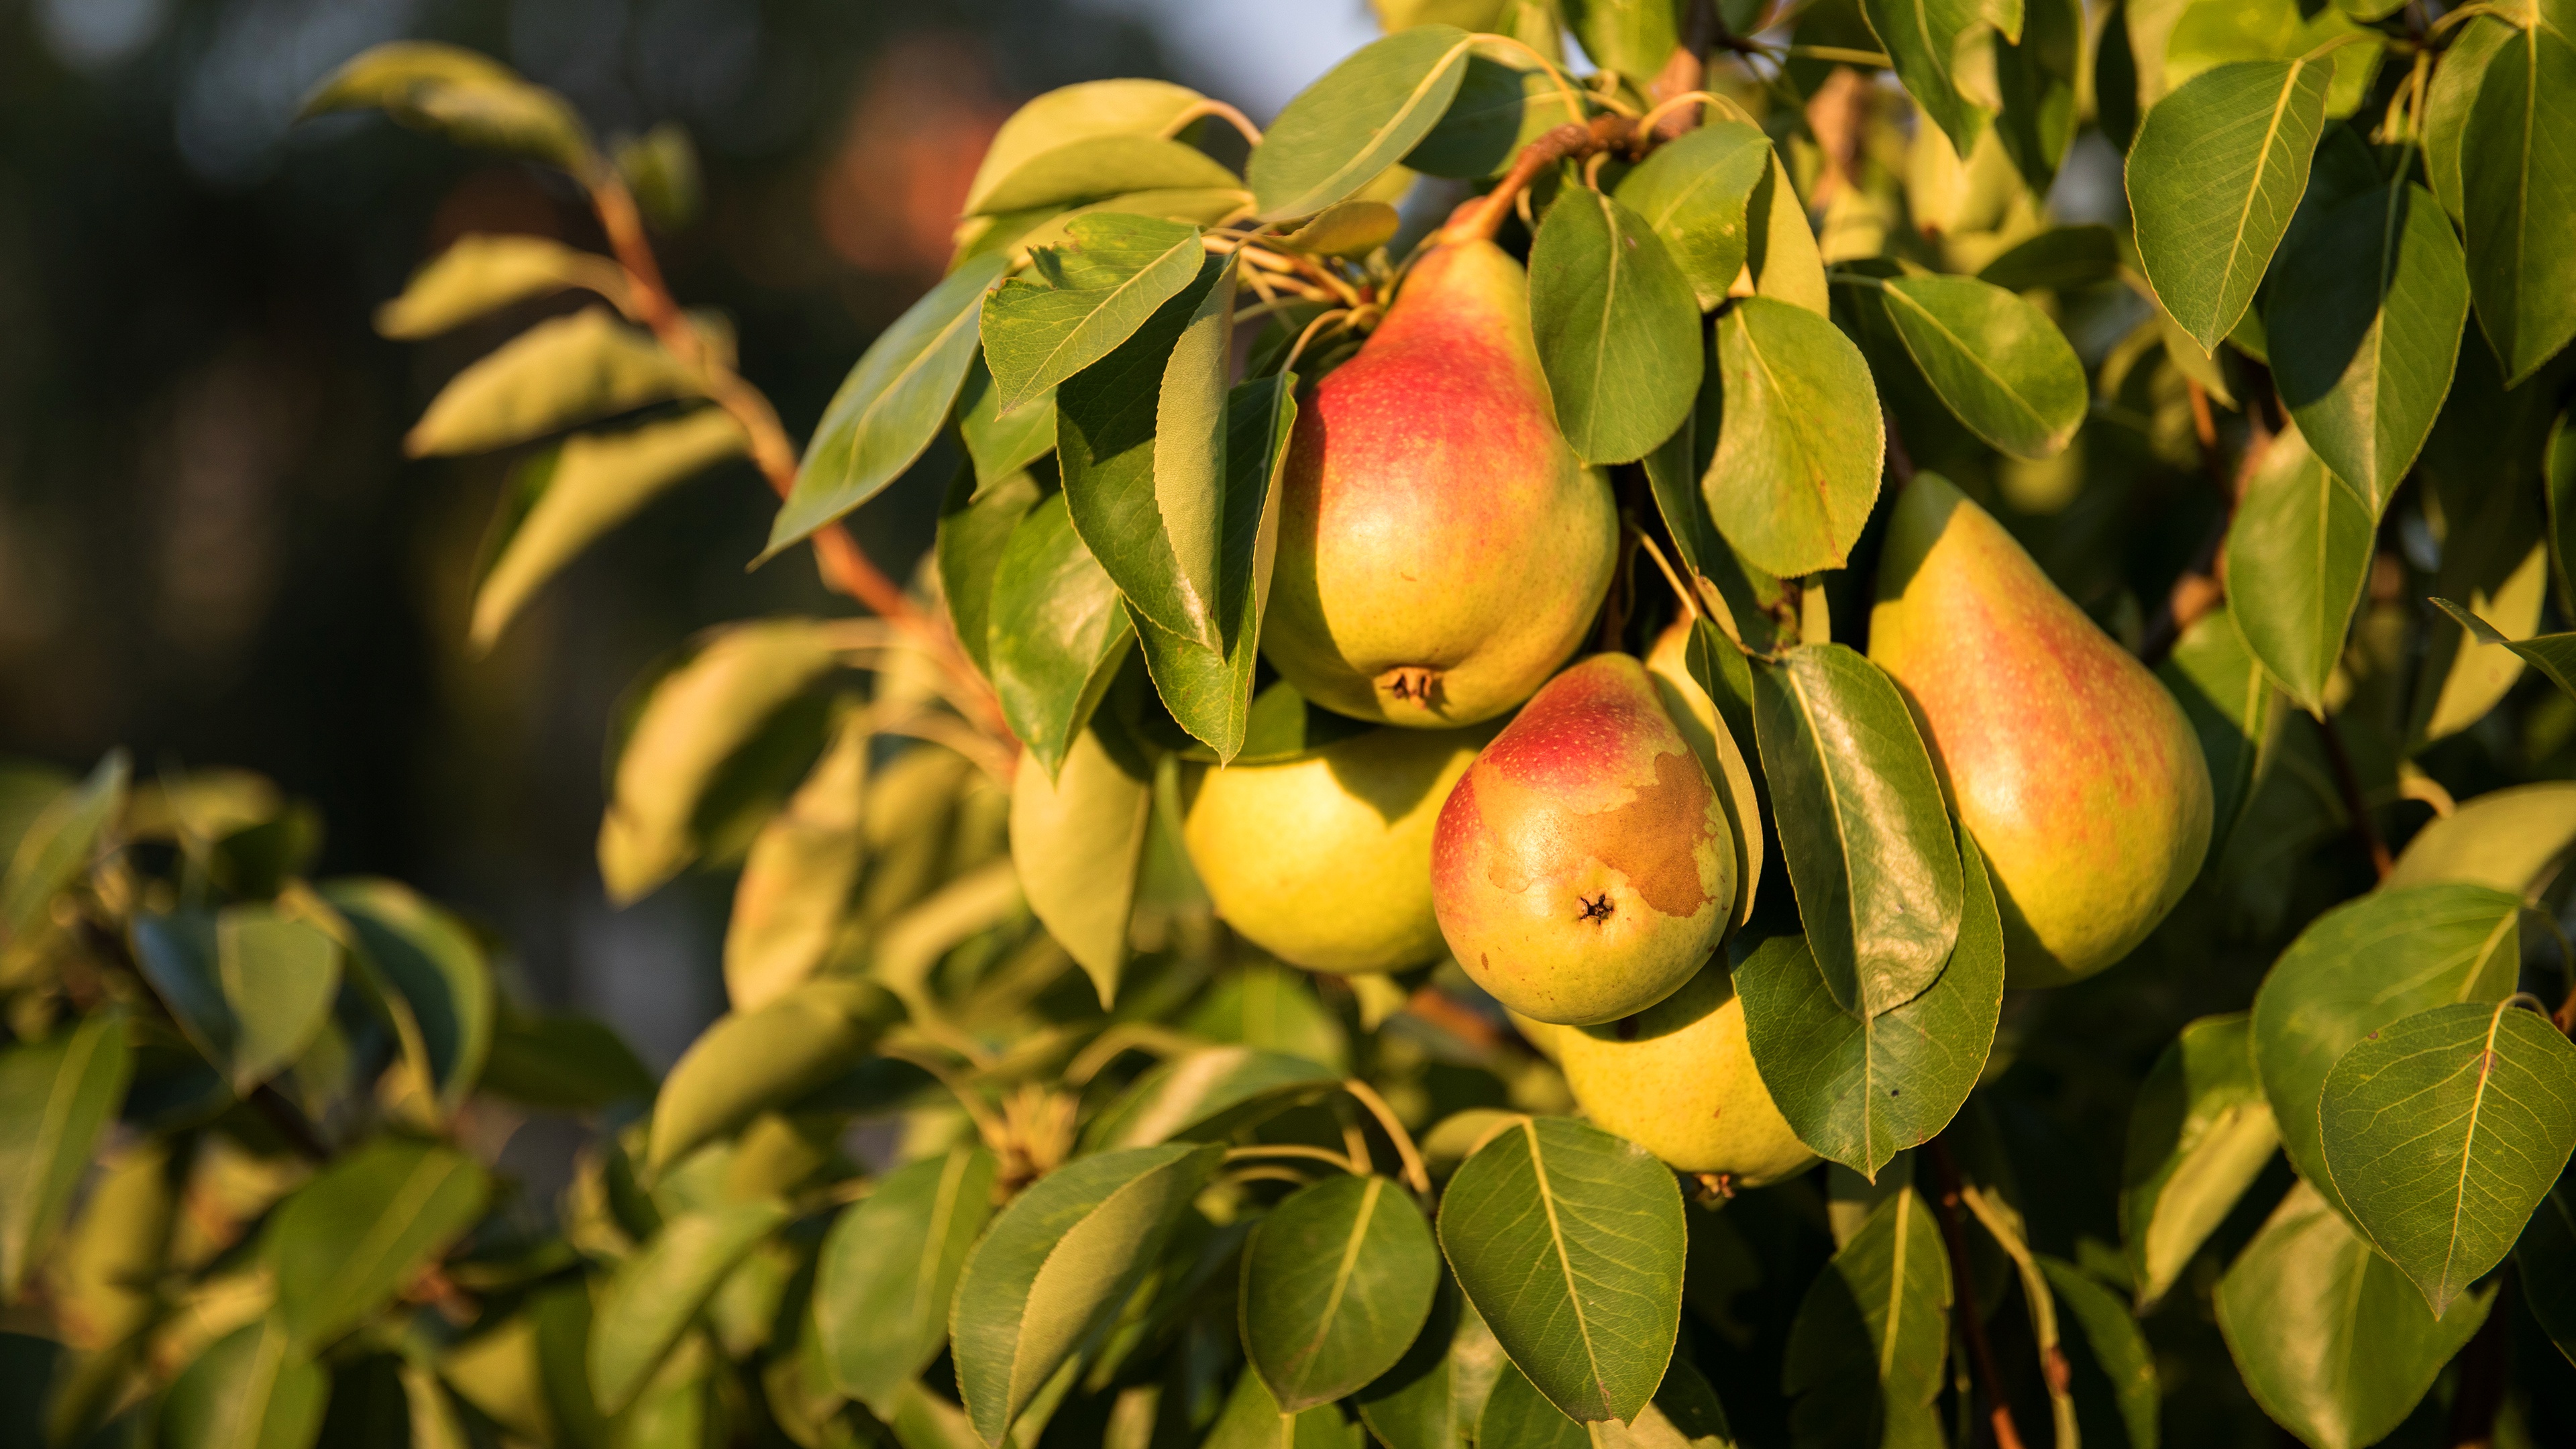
pixel 2076 772
pixel 1441 548
pixel 1583 868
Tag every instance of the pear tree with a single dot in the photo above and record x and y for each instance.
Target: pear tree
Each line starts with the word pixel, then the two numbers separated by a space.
pixel 1674 722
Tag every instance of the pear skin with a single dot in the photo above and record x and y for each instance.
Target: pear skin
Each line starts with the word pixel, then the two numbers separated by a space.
pixel 2076 772
pixel 1678 1080
pixel 1324 860
pixel 1441 548
pixel 1584 867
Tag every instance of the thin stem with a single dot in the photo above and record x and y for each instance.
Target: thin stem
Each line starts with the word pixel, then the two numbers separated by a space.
pixel 1259 1173
pixel 987 1126
pixel 1297 348
pixel 2471 12
pixel 1205 106
pixel 1972 1324
pixel 1689 597
pixel 1565 87
pixel 1293 1149
pixel 1355 1143
pixel 1415 1174
pixel 1646 123
pixel 2053 1368
pixel 1562 144
pixel 2355 805
pixel 1842 54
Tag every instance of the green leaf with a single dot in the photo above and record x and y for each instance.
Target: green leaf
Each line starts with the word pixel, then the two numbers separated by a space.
pixel 1055 633
pixel 1433 1396
pixel 1518 1416
pixel 2365 965
pixel 453 92
pixel 564 1064
pixel 1345 229
pixel 1083 298
pixel 2330 1338
pixel 2298 554
pixel 247 1390
pixel 1077 841
pixel 793 896
pixel 1799 443
pixel 975 525
pixel 424 958
pixel 1057 1265
pixel 1001 443
pixel 1860 1089
pixel 1209 690
pixel 2229 699
pixel 1632 37
pixel 1570 1242
pixel 2118 1346
pixel 1694 192
pixel 1341 132
pixel 1504 102
pixel 1925 38
pixel 1862 827
pixel 2546 1255
pixel 562 372
pixel 1337 1280
pixel 890 407
pixel 2444 1130
pixel 250 986
pixel 1099 166
pixel 591 484
pixel 658 1292
pixel 1865 1352
pixel 1781 248
pixel 2062 259
pixel 2213 176
pixel 57 1099
pixel 2558 488
pixel 2554 655
pixel 750 1061
pixel 481 273
pixel 694 720
pixel 2366 321
pixel 1683 1414
pixel 2199 1134
pixel 1995 360
pixel 2494 565
pixel 2210 33
pixel 2518 199
pixel 345 1243
pixel 1251 1420
pixel 1206 1095
pixel 889 1267
pixel 1077 113
pixel 2510 840
pixel 2450 98
pixel 57 845
pixel 1617 326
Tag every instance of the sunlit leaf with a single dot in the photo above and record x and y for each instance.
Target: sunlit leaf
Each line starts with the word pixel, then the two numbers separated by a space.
pixel 1617 327
pixel 2199 1134
pixel 1337 1280
pixel 889 1267
pixel 1799 442
pixel 2298 554
pixel 1358 120
pixel 345 1243
pixel 562 372
pixel 2214 174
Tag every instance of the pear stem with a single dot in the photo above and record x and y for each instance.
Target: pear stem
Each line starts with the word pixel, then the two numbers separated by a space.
pixel 1565 143
pixel 1963 1300
pixel 1416 1175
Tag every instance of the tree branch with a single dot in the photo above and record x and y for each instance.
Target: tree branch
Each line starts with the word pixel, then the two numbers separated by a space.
pixel 1963 1298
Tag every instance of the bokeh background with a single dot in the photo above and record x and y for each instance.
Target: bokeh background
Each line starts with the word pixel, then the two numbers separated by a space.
pixel 212 550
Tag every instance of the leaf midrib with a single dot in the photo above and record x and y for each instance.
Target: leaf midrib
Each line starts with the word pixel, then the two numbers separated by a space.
pixel 1975 359
pixel 2262 163
pixel 1308 1356
pixel 1083 326
pixel 1565 1260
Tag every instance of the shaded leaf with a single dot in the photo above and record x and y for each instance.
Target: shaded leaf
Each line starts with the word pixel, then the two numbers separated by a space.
pixel 1001 443
pixel 2213 176
pixel 1862 826
pixel 1866 1349
pixel 1503 103
pixel 1251 1420
pixel 1570 1242
pixel 2199 1134
pixel 57 844
pixel 2035 79
pixel 2363 966
pixel 2298 554
pixel 975 525
pixel 1857 1088
pixel 559 373
pixel 1206 1095
pixel 1082 298
pixel 1434 1395
pixel 2063 258
pixel 2546 1256
pixel 1694 191
pixel 481 273
pixel 564 1064
pixel 1054 634
pixel 2118 1346
pixel 2444 1130
pixel 1077 841
pixel 2330 1338
pixel 2518 199
pixel 2448 100
pixel 2554 655
pixel 1924 39
pixel 1345 229
pixel 1799 440
pixel 889 1267
pixel 894 401
pixel 2366 319
pixel 1617 328
pixel 1055 1267
pixel 466 97
pixel 1340 133
pixel 750 1061
pixel 1337 1281
pixel 57 1098
pixel 422 957
pixel 1631 37
pixel 591 484
pixel 2228 697
pixel 249 986
pixel 1996 361
pixel 345 1243
pixel 247 1390
pixel 794 891
pixel 658 1292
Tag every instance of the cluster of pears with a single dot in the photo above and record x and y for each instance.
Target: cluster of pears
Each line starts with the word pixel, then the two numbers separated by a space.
pixel 1442 555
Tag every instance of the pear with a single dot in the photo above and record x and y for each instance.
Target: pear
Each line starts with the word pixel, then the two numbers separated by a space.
pixel 1324 859
pixel 1441 549
pixel 1695 714
pixel 1583 867
pixel 1678 1080
pixel 2076 772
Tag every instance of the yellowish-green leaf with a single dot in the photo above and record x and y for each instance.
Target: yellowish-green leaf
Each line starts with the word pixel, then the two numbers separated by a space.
pixel 1077 840
pixel 751 1061
pixel 355 1236
pixel 562 372
pixel 56 1099
pixel 794 892
pixel 470 99
pixel 481 272
pixel 2199 1134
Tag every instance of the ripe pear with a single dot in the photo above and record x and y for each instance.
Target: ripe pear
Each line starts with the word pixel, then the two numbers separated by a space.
pixel 1441 548
pixel 1583 867
pixel 1678 1080
pixel 1324 859
pixel 2076 772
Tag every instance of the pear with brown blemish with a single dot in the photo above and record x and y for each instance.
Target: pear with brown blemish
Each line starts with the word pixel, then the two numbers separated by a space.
pixel 1583 868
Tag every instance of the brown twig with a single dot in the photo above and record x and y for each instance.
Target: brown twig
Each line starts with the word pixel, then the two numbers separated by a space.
pixel 2356 806
pixel 1972 1324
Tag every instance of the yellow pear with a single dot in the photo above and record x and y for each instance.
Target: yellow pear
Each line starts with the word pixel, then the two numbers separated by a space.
pixel 1324 859
pixel 2076 772
pixel 1678 1080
